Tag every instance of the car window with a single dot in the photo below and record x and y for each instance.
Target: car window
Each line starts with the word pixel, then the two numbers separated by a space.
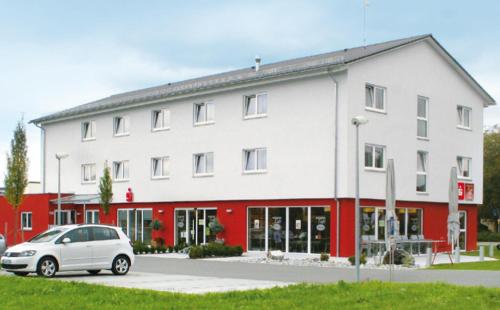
pixel 47 236
pixel 103 233
pixel 77 235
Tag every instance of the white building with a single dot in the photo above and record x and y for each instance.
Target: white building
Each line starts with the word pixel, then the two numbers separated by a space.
pixel 280 134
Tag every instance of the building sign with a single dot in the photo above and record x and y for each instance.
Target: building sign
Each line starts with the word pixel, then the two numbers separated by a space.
pixel 461 190
pixel 469 191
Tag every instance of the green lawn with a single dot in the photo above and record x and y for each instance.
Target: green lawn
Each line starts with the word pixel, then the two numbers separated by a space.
pixel 491 265
pixel 19 293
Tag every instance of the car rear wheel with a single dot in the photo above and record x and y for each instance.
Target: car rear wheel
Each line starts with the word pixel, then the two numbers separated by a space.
pixel 21 274
pixel 47 267
pixel 121 265
pixel 94 272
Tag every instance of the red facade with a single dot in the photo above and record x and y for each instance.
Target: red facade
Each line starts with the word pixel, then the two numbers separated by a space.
pixel 233 215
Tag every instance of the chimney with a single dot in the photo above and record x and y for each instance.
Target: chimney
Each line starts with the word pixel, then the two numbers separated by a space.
pixel 257 63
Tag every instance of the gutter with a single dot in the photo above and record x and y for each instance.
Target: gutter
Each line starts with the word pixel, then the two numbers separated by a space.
pixel 335 165
pixel 42 156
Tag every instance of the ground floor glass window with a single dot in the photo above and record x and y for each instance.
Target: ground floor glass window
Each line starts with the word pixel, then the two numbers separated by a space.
pixel 256 229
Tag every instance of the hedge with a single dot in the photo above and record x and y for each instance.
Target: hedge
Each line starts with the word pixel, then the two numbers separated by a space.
pixel 214 250
pixel 488 236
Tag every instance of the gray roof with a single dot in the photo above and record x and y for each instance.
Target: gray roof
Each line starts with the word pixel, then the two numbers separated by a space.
pixel 298 65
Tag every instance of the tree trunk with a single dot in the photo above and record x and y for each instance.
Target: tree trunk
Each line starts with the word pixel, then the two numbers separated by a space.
pixel 16 216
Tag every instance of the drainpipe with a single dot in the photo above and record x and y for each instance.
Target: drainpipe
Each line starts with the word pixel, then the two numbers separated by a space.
pixel 42 159
pixel 335 165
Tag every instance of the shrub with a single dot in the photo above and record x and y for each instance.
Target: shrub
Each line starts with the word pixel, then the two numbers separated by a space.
pixel 401 257
pixel 324 257
pixel 138 247
pixel 170 249
pixel 216 227
pixel 196 252
pixel 214 250
pixel 488 236
pixel 159 241
pixel 362 259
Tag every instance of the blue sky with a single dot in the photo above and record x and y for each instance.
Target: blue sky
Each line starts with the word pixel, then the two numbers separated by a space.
pixel 58 54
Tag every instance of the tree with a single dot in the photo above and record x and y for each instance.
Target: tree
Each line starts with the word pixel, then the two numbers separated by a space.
pixel 16 179
pixel 106 189
pixel 491 175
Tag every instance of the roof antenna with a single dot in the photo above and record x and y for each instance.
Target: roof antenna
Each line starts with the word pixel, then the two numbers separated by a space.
pixel 366 3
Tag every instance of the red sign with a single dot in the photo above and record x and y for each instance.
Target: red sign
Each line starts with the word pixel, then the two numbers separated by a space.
pixel 461 190
pixel 129 196
pixel 469 191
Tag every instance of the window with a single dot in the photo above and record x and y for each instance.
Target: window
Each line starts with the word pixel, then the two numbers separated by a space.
pixel 204 113
pixel 422 117
pixel 103 233
pixel 203 164
pixel 92 217
pixel 255 106
pixel 88 130
pixel 464 164
pixel 121 125
pixel 375 98
pixel 464 117
pixel 121 170
pixel 88 173
pixel 255 160
pixel 160 167
pixel 160 119
pixel 77 235
pixel 421 171
pixel 374 156
pixel 373 223
pixel 26 218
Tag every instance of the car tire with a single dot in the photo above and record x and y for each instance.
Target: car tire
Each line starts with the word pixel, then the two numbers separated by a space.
pixel 121 265
pixel 94 272
pixel 47 267
pixel 21 274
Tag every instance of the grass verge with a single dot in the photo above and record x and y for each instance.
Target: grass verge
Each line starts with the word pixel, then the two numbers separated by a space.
pixel 487 265
pixel 39 293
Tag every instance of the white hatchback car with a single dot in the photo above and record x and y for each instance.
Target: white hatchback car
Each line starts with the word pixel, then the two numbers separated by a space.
pixel 71 248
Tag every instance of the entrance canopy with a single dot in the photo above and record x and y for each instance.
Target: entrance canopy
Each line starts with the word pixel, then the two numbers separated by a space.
pixel 81 199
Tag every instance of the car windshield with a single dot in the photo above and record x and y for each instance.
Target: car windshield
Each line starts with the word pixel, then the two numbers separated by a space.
pixel 48 235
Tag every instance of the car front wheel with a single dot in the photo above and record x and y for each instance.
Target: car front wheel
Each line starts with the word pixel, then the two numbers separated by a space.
pixel 47 267
pixel 121 265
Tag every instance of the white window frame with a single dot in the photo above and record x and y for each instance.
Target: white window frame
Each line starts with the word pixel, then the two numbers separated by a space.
pixel 86 126
pixel 459 165
pixel 24 221
pixel 93 215
pixel 121 178
pixel 205 106
pixel 257 97
pixel 423 173
pixel 461 119
pixel 161 161
pixel 205 157
pixel 164 119
pixel 126 126
pixel 93 173
pixel 423 119
pixel 373 107
pixel 257 161
pixel 384 155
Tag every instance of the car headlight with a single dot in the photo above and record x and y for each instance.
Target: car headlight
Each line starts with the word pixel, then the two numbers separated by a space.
pixel 28 253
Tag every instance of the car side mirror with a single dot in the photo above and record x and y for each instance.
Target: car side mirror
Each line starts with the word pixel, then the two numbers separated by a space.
pixel 66 240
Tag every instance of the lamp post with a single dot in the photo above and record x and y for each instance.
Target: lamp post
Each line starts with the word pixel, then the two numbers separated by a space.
pixel 357 121
pixel 59 157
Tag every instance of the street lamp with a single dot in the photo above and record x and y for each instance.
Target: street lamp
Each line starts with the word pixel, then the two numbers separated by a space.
pixel 357 121
pixel 59 157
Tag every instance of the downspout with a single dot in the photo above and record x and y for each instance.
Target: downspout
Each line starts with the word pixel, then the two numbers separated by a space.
pixel 335 165
pixel 42 159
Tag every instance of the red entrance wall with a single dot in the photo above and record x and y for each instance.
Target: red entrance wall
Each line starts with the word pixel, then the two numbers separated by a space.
pixel 37 204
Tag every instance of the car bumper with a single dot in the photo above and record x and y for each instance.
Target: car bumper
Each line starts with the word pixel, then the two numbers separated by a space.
pixel 18 263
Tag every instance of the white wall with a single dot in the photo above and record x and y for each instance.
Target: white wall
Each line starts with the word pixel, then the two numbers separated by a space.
pixel 298 133
pixel 407 73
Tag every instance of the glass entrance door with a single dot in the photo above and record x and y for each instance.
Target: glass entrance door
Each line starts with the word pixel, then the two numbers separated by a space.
pixel 462 239
pixel 192 226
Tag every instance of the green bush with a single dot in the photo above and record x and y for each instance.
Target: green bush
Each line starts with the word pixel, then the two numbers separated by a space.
pixel 138 247
pixel 488 236
pixel 214 250
pixel 324 257
pixel 170 249
pixel 362 259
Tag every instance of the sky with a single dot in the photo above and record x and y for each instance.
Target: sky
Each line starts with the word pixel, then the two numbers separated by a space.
pixel 59 54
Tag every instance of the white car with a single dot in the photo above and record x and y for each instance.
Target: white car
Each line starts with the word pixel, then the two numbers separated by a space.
pixel 72 248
